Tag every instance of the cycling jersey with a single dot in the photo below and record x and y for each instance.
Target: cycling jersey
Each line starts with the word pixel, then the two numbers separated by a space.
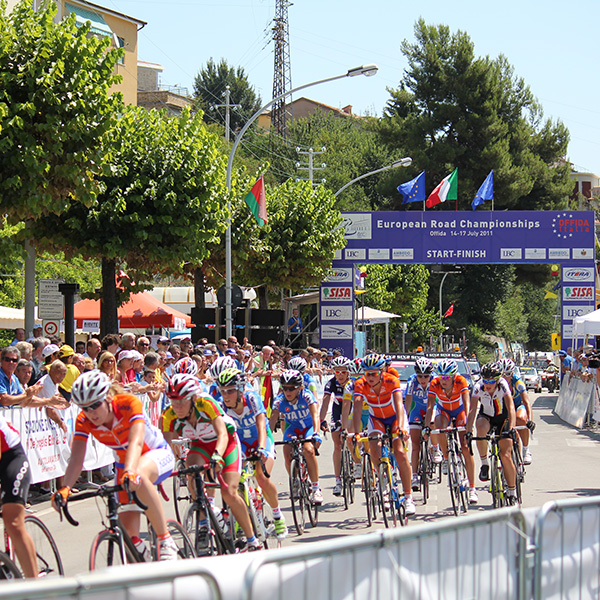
pixel 492 405
pixel 381 404
pixel 393 371
pixel 15 476
pixel 349 397
pixel 9 436
pixel 518 387
pixel 246 423
pixel 297 417
pixel 448 402
pixel 335 389
pixel 419 395
pixel 127 410
pixel 310 384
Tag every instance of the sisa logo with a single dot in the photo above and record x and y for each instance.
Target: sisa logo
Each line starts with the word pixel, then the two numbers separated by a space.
pixel 564 225
pixel 578 293
pixel 336 293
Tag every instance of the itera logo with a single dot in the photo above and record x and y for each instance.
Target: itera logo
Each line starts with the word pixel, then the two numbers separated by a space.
pixel 579 275
pixel 565 225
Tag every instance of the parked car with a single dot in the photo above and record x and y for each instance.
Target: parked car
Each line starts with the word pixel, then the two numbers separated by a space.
pixel 405 365
pixel 531 378
pixel 475 369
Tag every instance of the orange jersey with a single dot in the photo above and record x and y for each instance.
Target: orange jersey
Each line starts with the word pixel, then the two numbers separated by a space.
pixel 394 372
pixel 452 401
pixel 127 409
pixel 381 405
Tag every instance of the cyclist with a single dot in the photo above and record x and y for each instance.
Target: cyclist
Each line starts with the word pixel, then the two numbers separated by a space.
pixel 381 391
pixel 196 416
pixel 297 363
pixel 144 458
pixel 221 364
pixel 448 398
pixel 298 407
pixel 15 479
pixel 523 410
pixel 417 388
pixel 248 412
pixel 497 413
pixel 388 367
pixel 335 387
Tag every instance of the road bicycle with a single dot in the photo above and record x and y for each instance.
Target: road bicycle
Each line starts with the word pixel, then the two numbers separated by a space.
pixel 182 497
pixel 391 501
pixel 113 545
pixel 457 472
pixel 207 527
pixel 427 470
pixel 347 472
pixel 368 480
pixel 300 485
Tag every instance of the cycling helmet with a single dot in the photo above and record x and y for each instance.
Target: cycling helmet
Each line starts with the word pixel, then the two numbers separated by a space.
pixel 182 387
pixel 446 367
pixel 507 366
pixel 387 358
pixel 340 362
pixel 230 378
pixel 291 377
pixel 491 370
pixel 355 368
pixel 89 388
pixel 373 362
pixel 222 363
pixel 297 363
pixel 186 365
pixel 423 366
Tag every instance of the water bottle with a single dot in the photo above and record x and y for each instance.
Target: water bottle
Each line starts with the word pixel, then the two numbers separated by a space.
pixel 141 547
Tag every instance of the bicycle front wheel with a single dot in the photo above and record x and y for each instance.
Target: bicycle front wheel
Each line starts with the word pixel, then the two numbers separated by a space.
pixel 181 494
pixel 424 468
pixel 8 568
pixel 185 547
pixel 458 491
pixel 368 486
pixel 311 508
pixel 387 497
pixel 297 497
pixel 106 551
pixel 48 558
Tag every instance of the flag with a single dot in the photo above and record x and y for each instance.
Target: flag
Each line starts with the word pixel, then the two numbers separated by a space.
pixel 550 295
pixel 449 312
pixel 556 286
pixel 257 202
pixel 266 391
pixel 413 190
pixel 485 192
pixel 447 189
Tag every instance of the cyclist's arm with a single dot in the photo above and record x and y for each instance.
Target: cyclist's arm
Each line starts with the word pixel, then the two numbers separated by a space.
pixel 510 405
pixel 399 408
pixel 314 413
pixel 75 462
pixel 472 414
pixel 346 405
pixel 527 405
pixel 466 400
pixel 222 436
pixel 261 428
pixel 135 445
pixel 357 413
pixel 408 403
pixel 274 418
pixel 325 406
pixel 431 398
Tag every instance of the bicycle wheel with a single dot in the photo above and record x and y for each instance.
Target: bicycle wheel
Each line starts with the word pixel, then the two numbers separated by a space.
pixel 424 469
pixel 368 487
pixel 106 551
pixel 311 508
pixel 456 484
pixel 48 558
pixel 9 569
pixel 401 510
pixel 264 516
pixel 387 496
pixel 220 541
pixel 519 478
pixel 182 539
pixel 347 478
pixel 463 483
pixel 181 494
pixel 297 497
pixel 496 481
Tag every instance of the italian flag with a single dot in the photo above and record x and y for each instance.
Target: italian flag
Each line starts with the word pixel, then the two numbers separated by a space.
pixel 447 189
pixel 257 202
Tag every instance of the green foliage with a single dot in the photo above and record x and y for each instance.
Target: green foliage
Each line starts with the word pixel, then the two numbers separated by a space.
pixel 209 88
pixel 540 315
pixel 511 320
pixel 453 109
pixel 55 107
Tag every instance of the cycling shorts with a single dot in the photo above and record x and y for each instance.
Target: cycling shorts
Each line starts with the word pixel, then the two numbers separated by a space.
pixel 521 412
pixel 416 417
pixel 378 426
pixel 163 458
pixel 364 420
pixel 232 455
pixel 498 424
pixel 15 476
pixel 249 449
pixel 458 414
pixel 292 431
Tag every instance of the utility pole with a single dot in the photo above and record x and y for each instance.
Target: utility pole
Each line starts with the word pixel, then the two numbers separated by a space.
pixel 311 167
pixel 282 77
pixel 226 106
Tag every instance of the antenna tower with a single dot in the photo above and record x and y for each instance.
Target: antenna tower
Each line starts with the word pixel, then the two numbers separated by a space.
pixel 282 77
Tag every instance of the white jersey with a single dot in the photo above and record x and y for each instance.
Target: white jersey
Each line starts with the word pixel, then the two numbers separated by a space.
pixel 492 405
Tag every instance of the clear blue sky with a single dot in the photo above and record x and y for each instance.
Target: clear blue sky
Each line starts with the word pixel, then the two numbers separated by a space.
pixel 551 45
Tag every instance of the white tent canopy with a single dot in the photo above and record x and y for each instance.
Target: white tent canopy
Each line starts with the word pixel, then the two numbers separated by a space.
pixel 12 318
pixel 372 316
pixel 587 324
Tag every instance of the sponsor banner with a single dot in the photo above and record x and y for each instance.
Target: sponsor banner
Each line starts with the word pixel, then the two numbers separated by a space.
pixel 379 254
pixel 337 255
pixel 582 292
pixel 571 311
pixel 579 275
pixel 340 276
pixel 90 326
pixel 336 312
pixel 329 293
pixel 471 237
pixel 567 331
pixel 336 331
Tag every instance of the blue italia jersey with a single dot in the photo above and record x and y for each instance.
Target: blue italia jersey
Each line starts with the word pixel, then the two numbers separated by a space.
pixel 518 387
pixel 310 384
pixel 296 415
pixel 417 393
pixel 246 421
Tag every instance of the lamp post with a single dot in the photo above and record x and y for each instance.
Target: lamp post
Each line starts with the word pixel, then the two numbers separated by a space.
pixel 441 314
pixel 403 162
pixel 368 71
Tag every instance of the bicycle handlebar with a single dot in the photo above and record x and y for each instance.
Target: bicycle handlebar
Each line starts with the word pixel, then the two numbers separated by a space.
pixel 196 469
pixel 298 441
pixel 257 459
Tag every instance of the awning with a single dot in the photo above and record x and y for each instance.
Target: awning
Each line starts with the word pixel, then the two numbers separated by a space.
pixel 372 316
pixel 83 15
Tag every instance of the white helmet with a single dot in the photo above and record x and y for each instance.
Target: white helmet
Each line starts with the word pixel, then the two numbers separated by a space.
pixel 222 363
pixel 297 363
pixel 89 388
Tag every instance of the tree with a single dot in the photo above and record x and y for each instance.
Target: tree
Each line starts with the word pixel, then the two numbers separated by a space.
pixel 455 110
pixel 209 86
pixel 163 203
pixel 55 107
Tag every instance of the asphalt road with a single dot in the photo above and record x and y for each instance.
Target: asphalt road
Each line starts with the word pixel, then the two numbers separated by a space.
pixel 564 466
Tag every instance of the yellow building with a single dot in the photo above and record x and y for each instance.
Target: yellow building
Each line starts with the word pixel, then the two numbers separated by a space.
pixel 120 28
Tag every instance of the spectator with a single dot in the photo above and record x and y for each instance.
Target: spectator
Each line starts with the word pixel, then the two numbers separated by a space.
pixel 185 345
pixel 125 373
pixel 79 362
pixel 295 328
pixel 222 347
pixel 232 342
pixel 143 345
pixel 128 341
pixel 50 354
pixel 110 343
pixel 35 332
pixel 138 365
pixel 108 365
pixel 93 349
pixel 175 352
pixel 23 372
pixel 25 350
pixel 66 354
pixel 37 360
pixel 88 364
pixel 163 343
pixel 19 336
pixel 79 347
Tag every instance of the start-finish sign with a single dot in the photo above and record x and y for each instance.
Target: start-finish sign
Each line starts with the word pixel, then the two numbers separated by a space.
pixel 462 237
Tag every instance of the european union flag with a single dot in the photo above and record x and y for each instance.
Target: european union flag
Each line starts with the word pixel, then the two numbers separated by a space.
pixel 413 190
pixel 485 192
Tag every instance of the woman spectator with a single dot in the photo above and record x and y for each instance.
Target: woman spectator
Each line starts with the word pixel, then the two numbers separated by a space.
pixel 25 350
pixel 108 365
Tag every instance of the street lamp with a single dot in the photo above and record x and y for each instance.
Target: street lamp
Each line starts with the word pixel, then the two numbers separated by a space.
pixel 403 162
pixel 368 71
pixel 441 315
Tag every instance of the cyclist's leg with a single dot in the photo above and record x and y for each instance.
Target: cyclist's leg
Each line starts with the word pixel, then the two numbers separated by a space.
pixel 521 421
pixel 13 516
pixel 401 456
pixel 375 430
pixel 510 471
pixel 415 419
pixel 482 426
pixel 337 451
pixel 461 421
pixel 442 420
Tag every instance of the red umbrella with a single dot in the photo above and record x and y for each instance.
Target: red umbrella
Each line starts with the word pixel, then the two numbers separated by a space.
pixel 140 312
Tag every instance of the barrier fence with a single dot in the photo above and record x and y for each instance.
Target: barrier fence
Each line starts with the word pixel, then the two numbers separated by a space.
pixel 577 401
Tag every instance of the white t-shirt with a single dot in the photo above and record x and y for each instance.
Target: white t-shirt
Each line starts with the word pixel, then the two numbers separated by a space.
pixel 49 388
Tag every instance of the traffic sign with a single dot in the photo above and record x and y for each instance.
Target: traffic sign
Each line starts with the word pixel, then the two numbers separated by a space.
pixel 50 328
pixel 50 300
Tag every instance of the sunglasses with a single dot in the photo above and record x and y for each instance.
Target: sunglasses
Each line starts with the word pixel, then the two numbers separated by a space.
pixel 92 406
pixel 228 391
pixel 12 360
pixel 490 381
pixel 423 375
pixel 372 373
pixel 289 388
pixel 446 377
pixel 143 344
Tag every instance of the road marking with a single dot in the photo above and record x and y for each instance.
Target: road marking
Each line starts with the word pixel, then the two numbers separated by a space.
pixel 581 443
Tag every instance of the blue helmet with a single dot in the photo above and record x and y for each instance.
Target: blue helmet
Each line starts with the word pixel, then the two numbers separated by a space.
pixel 446 367
pixel 373 362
